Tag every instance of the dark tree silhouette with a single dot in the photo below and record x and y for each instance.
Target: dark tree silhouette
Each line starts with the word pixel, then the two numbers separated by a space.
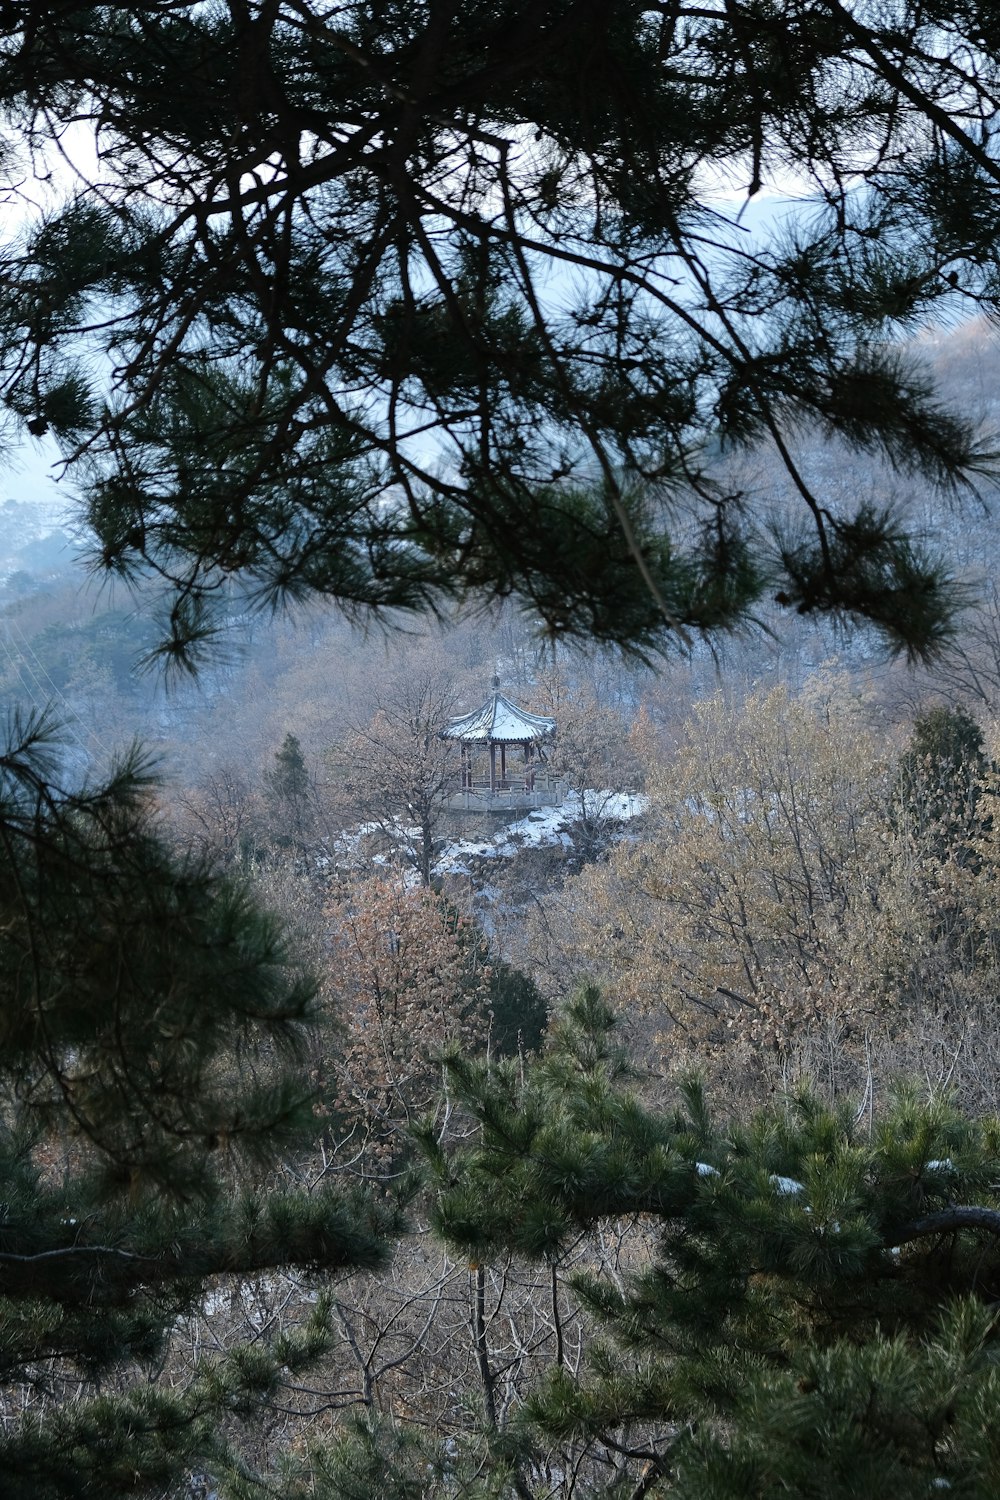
pixel 397 302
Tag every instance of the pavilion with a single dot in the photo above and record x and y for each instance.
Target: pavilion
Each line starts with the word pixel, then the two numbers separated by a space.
pixel 503 729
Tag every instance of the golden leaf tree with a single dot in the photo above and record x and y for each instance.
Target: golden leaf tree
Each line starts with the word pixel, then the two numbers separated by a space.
pixel 795 880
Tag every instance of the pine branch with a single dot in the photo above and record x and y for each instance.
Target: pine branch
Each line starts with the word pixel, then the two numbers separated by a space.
pixel 947 1221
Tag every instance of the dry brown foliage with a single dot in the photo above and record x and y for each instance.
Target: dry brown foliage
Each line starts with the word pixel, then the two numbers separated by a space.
pixel 411 979
pixel 783 901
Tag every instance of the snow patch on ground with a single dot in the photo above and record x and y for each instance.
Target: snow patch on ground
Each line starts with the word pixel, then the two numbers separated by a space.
pixel 546 827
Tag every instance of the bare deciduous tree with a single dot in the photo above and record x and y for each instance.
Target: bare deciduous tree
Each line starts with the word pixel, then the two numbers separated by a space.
pixel 395 772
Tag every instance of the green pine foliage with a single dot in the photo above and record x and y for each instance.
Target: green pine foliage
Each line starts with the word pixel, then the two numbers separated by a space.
pixel 892 1417
pixel 378 1459
pixel 398 304
pixel 288 779
pixel 817 1316
pixel 518 1012
pixel 152 1079
pixel 516 1008
pixel 945 793
pixel 402 306
pixel 287 787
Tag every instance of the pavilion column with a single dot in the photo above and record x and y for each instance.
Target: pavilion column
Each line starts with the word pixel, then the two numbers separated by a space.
pixel 493 768
pixel 503 765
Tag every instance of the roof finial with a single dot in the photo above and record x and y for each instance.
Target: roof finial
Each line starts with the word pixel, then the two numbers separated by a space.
pixel 496 682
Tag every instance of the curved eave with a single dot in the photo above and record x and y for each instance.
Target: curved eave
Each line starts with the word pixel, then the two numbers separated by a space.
pixel 499 722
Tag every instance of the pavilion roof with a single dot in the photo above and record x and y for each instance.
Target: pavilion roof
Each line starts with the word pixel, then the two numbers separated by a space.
pixel 499 722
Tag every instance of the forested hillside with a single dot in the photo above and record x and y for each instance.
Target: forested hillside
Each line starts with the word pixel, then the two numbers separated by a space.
pixel 776 859
pixel 622 1125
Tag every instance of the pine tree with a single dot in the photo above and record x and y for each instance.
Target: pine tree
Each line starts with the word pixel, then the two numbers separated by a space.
pixel 288 789
pixel 297 329
pixel 942 777
pixel 398 304
pixel 288 779
pixel 816 1314
pixel 152 1042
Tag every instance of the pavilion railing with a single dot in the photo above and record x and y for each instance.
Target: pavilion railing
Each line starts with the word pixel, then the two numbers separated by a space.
pixel 542 790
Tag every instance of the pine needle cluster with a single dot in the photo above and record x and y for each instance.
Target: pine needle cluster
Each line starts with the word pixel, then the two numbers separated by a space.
pixel 151 1047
